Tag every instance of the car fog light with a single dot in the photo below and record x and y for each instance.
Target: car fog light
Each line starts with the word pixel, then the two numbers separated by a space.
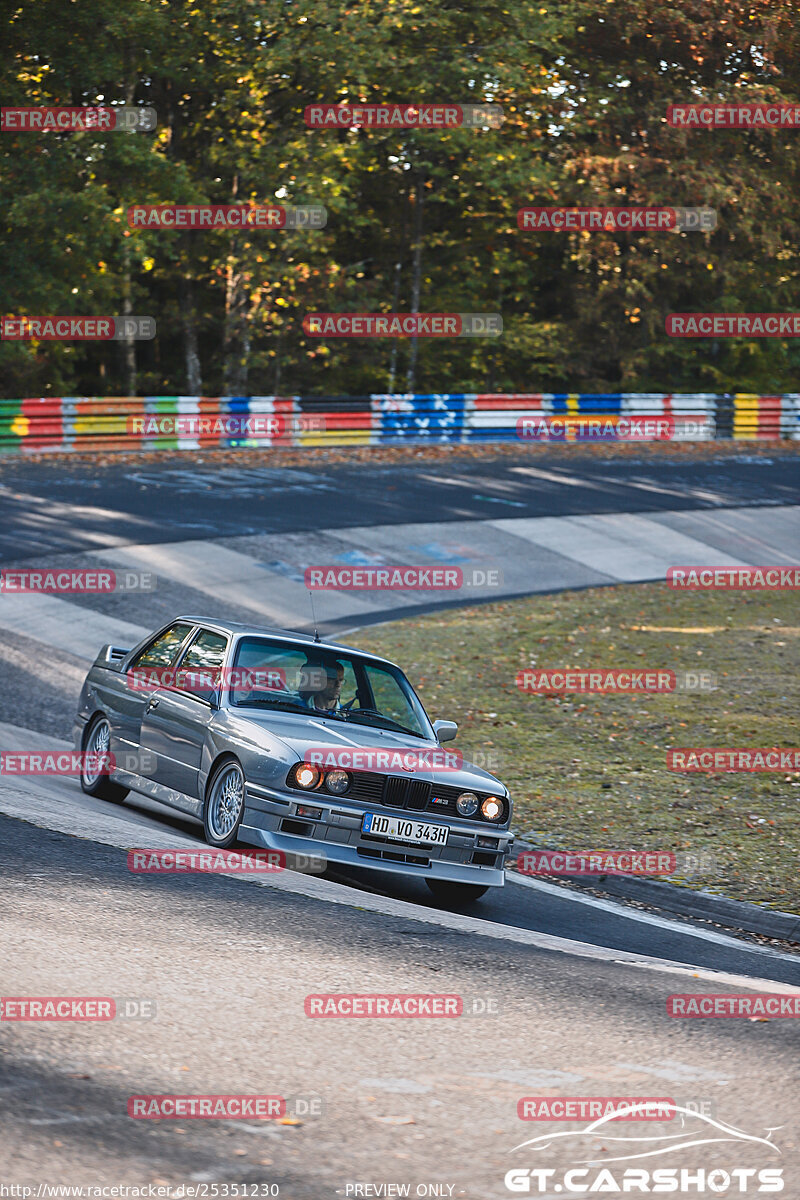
pixel 337 782
pixel 467 804
pixel 492 808
pixel 307 776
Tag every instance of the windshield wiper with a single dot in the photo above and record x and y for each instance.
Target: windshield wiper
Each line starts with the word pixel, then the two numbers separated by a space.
pixel 273 702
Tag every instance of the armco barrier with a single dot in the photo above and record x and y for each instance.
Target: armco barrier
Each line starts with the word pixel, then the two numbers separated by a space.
pixel 81 423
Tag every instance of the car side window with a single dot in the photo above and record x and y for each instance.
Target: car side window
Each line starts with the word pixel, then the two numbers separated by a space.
pixel 163 650
pixel 200 667
pixel 391 700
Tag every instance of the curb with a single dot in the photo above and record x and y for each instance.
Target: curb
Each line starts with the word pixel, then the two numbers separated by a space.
pixel 736 914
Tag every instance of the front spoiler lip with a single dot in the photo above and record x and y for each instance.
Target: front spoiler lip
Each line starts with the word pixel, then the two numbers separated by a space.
pixel 336 852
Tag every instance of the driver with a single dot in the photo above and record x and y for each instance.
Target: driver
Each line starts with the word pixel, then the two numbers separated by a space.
pixel 326 698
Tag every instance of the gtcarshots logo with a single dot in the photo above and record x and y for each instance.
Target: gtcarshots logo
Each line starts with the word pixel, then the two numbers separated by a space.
pixel 227 216
pixel 99 118
pixel 77 329
pixel 403 116
pixel 383 761
pixel 58 580
pixel 413 325
pixel 625 219
pixel 596 1176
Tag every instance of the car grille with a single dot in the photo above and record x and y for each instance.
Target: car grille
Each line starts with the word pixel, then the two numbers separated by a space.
pixel 415 795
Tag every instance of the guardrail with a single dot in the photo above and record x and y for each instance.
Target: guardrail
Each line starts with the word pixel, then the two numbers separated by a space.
pixel 71 423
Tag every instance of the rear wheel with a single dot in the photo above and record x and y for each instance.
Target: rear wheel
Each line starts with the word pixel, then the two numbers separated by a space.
pixel 224 806
pixel 96 749
pixel 455 894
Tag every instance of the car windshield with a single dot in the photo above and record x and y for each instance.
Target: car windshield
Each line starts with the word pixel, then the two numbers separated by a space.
pixel 283 676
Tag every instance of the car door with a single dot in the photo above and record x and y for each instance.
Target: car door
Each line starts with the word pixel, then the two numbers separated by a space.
pixel 134 688
pixel 176 718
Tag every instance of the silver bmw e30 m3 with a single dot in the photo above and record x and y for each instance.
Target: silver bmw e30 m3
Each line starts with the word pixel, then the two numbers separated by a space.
pixel 282 741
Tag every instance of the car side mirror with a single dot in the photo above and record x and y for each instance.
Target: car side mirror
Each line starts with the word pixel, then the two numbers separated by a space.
pixel 445 730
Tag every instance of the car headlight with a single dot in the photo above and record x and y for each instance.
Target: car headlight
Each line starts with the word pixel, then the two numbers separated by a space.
pixel 307 776
pixel 492 808
pixel 337 782
pixel 467 804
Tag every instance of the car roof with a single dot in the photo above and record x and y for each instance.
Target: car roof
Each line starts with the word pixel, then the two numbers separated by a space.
pixel 238 629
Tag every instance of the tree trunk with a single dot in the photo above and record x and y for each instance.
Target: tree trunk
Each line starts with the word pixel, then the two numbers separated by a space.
pixel 129 343
pixel 194 377
pixel 416 280
pixel 236 343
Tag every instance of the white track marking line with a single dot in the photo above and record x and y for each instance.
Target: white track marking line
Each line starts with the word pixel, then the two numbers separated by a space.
pixel 45 803
pixel 69 627
pixel 633 914
pixel 624 546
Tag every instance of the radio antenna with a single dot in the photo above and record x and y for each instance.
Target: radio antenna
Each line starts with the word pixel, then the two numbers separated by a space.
pixel 313 614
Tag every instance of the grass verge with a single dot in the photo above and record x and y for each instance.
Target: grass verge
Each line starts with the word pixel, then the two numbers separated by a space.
pixel 589 771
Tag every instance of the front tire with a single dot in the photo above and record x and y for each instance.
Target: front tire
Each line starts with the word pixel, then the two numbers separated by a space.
pixel 224 806
pixel 93 781
pixel 455 894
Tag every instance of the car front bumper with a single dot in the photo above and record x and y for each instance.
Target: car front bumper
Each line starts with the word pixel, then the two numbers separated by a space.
pixel 271 820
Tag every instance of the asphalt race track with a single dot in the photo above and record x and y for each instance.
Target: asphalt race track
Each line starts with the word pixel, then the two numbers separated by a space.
pixel 566 994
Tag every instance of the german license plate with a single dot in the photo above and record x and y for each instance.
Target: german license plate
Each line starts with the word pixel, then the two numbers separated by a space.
pixel 401 829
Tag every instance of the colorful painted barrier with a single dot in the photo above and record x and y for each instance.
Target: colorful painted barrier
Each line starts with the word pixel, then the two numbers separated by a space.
pixel 74 423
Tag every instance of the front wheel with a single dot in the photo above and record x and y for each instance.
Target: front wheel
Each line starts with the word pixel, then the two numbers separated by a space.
pixel 455 894
pixel 93 780
pixel 224 806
